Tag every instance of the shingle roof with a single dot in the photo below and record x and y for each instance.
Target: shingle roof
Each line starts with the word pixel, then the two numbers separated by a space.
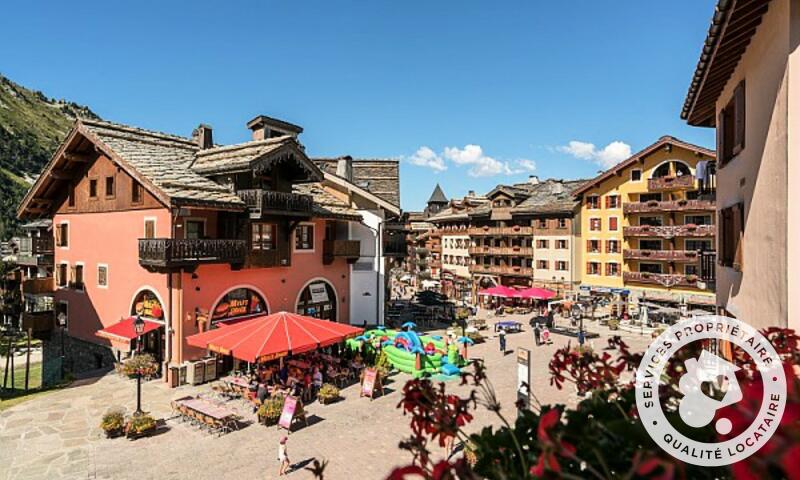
pixel 550 196
pixel 231 158
pixel 438 195
pixel 164 160
pixel 380 177
pixel 449 214
pixel 327 205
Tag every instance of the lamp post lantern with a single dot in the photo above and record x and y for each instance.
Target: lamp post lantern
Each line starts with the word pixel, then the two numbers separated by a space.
pixel 138 327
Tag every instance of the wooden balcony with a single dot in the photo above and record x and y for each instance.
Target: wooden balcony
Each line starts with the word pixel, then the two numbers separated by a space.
pixel 670 206
pixel 38 322
pixel 665 184
pixel 670 231
pixel 502 270
pixel 170 253
pixel 36 245
pixel 668 280
pixel 503 251
pixel 332 249
pixel 39 286
pixel 395 246
pixel 500 231
pixel 682 256
pixel 44 260
pixel 268 202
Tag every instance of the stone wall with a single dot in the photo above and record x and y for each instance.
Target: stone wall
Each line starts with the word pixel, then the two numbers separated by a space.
pixel 80 357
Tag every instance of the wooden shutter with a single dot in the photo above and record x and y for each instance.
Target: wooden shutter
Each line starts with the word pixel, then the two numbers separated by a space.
pixel 58 235
pixel 149 229
pixel 612 223
pixel 722 157
pixel 738 118
pixel 738 236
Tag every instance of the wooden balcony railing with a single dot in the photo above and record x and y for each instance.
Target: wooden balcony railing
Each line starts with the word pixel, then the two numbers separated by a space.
pixel 683 256
pixel 38 322
pixel 504 251
pixel 168 252
pixel 332 249
pixel 268 202
pixel 38 286
pixel 668 280
pixel 669 206
pixel 670 231
pixel 35 245
pixel 661 184
pixel 502 270
pixel 500 231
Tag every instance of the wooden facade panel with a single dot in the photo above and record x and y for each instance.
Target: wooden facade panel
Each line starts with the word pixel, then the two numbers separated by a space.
pixel 120 199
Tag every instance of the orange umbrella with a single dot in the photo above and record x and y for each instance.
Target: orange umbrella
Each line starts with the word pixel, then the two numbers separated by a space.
pixel 273 336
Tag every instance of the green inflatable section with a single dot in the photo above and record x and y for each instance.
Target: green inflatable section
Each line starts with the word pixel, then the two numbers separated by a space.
pixel 406 361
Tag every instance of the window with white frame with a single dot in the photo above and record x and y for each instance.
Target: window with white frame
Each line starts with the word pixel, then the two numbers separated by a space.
pixel 102 275
pixel 304 237
pixel 593 268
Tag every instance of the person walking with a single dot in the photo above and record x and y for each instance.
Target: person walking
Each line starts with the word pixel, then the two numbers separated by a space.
pixel 537 334
pixel 502 337
pixel 283 457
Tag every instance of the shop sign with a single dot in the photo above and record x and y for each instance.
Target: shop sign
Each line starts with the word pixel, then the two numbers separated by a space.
pixel 147 305
pixel 238 303
pixel 368 386
pixel 289 407
pixel 523 377
pixel 319 293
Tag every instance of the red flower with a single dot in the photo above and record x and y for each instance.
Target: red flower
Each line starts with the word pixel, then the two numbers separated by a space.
pixel 546 422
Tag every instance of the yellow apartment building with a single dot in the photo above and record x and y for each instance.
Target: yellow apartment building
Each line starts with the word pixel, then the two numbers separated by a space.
pixel 648 225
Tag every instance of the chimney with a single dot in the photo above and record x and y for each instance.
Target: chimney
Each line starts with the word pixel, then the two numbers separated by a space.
pixel 533 179
pixel 202 136
pixel 264 127
pixel 344 167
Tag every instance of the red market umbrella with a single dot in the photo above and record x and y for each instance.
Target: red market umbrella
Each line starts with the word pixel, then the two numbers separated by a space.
pixel 273 336
pixel 537 293
pixel 500 291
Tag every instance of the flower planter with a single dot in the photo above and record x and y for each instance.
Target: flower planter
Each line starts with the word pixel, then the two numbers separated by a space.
pixel 114 432
pixel 134 435
pixel 329 400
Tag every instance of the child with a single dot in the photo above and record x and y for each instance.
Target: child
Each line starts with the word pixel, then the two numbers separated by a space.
pixel 283 457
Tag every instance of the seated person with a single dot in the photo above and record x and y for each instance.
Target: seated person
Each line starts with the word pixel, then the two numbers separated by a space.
pixel 283 374
pixel 253 386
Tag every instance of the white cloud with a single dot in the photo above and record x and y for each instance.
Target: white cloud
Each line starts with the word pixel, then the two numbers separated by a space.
pixel 480 164
pixel 607 157
pixel 425 157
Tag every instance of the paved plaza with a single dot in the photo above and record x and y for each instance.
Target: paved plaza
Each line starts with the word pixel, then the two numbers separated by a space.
pixel 57 435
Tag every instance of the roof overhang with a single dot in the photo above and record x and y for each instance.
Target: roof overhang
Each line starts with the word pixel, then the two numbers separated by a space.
pixel 353 188
pixel 640 157
pixel 732 27
pixel 34 201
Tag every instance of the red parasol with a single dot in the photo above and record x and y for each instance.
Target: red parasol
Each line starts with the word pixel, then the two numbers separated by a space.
pixel 273 336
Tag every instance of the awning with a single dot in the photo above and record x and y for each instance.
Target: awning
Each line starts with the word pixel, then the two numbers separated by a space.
pixel 500 291
pixel 122 332
pixel 537 293
pixel 273 336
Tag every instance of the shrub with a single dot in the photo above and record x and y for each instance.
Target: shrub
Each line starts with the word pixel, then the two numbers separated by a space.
pixel 113 421
pixel 139 424
pixel 328 393
pixel 270 411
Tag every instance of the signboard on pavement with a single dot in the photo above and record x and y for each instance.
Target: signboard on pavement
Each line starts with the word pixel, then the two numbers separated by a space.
pixel 523 377
pixel 289 407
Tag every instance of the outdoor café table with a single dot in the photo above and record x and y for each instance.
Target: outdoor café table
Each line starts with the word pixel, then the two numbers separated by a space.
pixel 508 326
pixel 237 381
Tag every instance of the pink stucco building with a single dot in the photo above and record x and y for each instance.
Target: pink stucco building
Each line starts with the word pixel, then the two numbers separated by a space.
pixel 188 234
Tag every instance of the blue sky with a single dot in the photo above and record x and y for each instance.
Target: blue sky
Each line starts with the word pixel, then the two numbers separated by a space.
pixel 468 94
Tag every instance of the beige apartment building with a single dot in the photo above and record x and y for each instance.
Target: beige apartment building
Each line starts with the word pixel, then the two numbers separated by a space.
pixel 747 86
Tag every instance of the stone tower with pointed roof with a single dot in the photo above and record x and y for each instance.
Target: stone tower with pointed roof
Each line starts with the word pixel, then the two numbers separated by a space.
pixel 437 202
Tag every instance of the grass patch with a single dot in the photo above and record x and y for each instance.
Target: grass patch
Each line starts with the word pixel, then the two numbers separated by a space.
pixel 10 398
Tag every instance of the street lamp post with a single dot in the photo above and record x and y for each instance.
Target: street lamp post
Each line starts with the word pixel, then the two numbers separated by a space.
pixel 62 323
pixel 138 327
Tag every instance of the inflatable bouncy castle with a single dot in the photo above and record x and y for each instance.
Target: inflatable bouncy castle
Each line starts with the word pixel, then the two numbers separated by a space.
pixel 410 352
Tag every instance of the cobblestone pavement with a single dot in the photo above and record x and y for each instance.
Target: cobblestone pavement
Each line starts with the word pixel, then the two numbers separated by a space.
pixel 57 435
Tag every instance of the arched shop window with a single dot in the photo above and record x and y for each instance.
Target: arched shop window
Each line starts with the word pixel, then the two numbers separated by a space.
pixel 318 300
pixel 146 304
pixel 238 303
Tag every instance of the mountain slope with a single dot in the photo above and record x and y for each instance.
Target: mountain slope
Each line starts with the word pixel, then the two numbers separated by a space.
pixel 31 128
